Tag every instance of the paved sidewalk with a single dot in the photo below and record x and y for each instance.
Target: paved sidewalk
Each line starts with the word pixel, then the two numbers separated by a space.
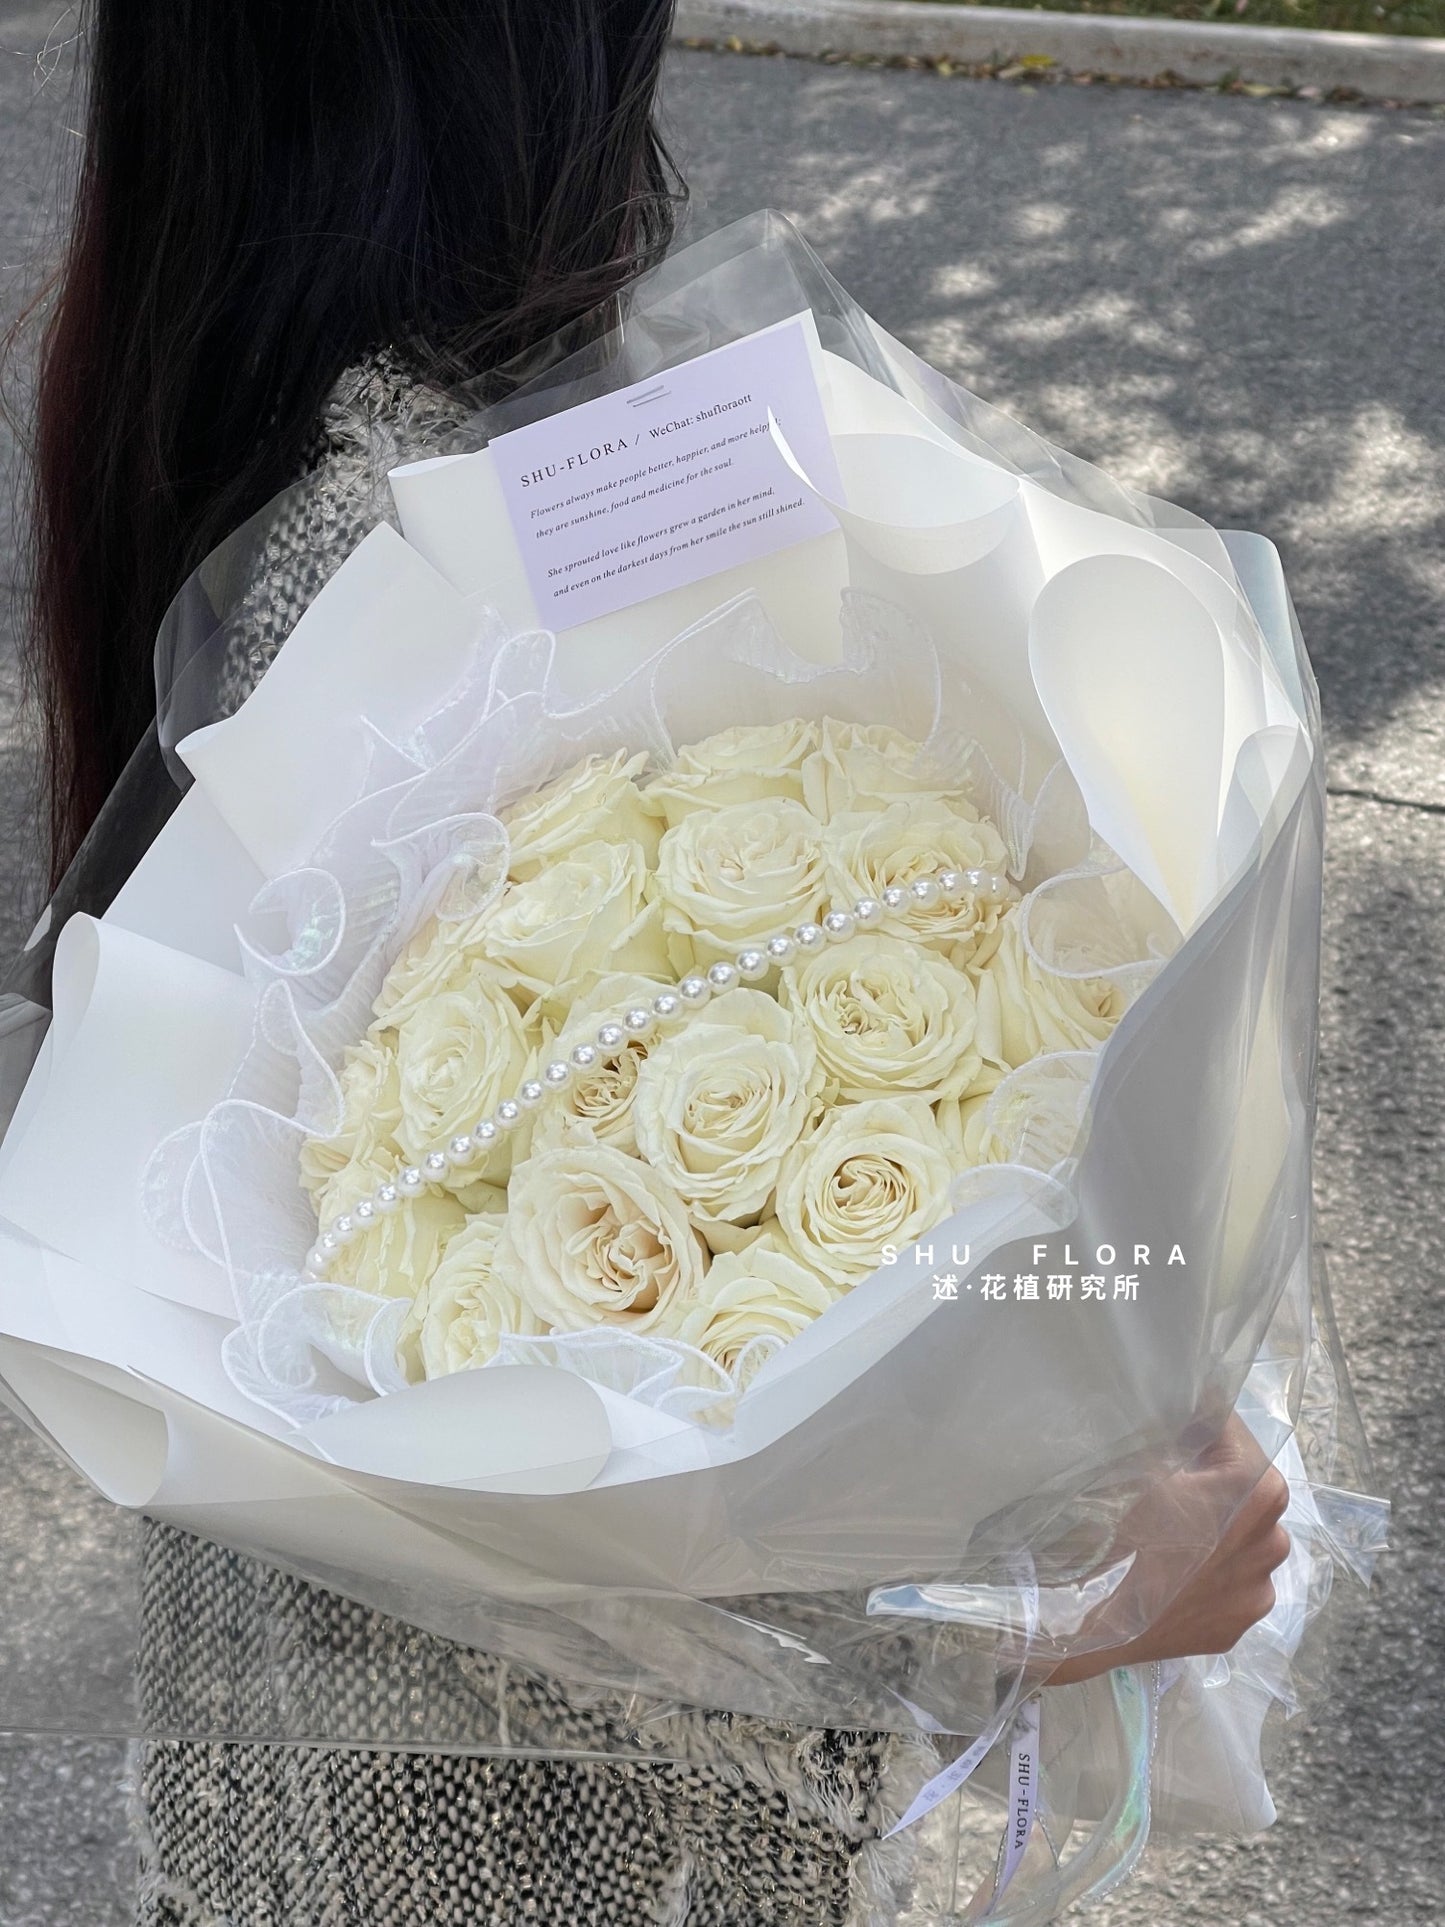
pixel 1235 303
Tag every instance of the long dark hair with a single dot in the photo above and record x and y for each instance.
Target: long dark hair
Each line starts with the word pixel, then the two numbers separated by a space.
pixel 271 189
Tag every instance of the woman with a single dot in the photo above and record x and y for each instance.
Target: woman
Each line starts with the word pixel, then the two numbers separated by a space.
pixel 306 230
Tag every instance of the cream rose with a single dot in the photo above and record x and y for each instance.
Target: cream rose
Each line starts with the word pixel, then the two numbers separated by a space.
pixel 752 763
pixel 751 1303
pixel 1032 1118
pixel 362 1172
pixel 965 1130
pixel 464 1310
pixel 458 1055
pixel 865 766
pixel 738 875
pixel 437 957
pixel 721 1103
pixel 594 1237
pixel 370 1116
pixel 872 1174
pixel 596 1107
pixel 398 1252
pixel 870 852
pixel 596 801
pixel 584 914
pixel 1031 1010
pixel 890 1017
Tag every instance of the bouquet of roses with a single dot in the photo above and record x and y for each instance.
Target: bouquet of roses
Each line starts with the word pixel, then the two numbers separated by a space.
pixel 629 1071
pixel 723 1037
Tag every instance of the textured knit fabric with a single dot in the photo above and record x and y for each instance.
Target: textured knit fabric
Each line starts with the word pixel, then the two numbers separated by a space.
pixel 773 1827
pixel 763 1827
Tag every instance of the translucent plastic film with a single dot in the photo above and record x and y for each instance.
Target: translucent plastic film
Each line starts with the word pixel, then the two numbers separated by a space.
pixel 744 1156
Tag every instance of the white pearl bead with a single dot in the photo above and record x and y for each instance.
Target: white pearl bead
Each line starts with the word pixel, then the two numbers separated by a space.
pixel 952 885
pixel 722 976
pixel 977 880
pixel 410 1182
pixel 388 1199
pixel 364 1212
pixel 343 1229
pixel 809 936
pixel 485 1134
pixel 584 1057
pixel 752 964
pixel 638 1021
pixel 694 991
pixel 867 913
pixel 667 1007
pixel 461 1150
pixel 314 1263
pixel 782 949
pixel 531 1094
pixel 611 1037
pixel 838 926
pixel 924 892
pixel 435 1165
pixel 895 897
pixel 558 1074
pixel 328 1244
pixel 509 1114
pixel 996 886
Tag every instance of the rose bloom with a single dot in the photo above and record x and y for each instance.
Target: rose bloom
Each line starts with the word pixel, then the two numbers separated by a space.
pixel 362 1172
pixel 871 1174
pixel 585 913
pixel 594 1237
pixel 458 1055
pixel 464 1310
pixel 866 766
pixel 1033 1117
pixel 736 876
pixel 720 1104
pixel 752 1302
pixel 1029 1009
pixel 396 1255
pixel 752 763
pixel 890 1016
pixel 370 1116
pixel 437 957
pixel 596 801
pixel 596 1107
pixel 868 852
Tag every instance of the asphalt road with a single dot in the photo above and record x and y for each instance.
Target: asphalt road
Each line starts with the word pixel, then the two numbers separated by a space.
pixel 1234 303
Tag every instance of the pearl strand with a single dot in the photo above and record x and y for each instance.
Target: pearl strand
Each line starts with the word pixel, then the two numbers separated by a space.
pixel 668 1008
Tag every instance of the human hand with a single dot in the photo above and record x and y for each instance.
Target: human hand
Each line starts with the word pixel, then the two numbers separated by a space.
pixel 1232 1589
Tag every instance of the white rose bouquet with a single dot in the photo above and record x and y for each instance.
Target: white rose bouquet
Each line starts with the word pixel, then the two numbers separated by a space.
pixel 712 1077
pixel 545 1131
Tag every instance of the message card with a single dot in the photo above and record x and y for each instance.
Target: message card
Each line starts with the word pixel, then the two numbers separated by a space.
pixel 671 480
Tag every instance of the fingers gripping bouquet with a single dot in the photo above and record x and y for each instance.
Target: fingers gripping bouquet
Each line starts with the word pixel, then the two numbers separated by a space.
pixel 710 1086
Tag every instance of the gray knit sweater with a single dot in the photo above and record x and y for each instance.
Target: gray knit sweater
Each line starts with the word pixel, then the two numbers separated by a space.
pixel 765 1827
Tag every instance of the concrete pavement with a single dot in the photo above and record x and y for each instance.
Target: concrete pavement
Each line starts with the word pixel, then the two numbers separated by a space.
pixel 1234 303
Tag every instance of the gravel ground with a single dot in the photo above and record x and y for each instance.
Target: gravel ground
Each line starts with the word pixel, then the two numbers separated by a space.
pixel 1231 302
